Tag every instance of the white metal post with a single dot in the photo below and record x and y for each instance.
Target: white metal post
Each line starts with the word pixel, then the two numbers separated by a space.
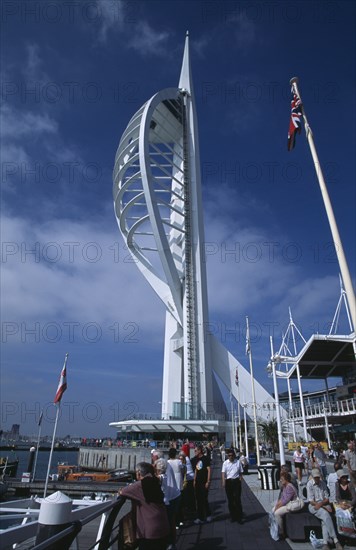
pixel 232 423
pixel 345 273
pixel 37 447
pixel 278 412
pixel 291 409
pixel 302 404
pixel 327 431
pixel 253 391
pixel 239 414
pixel 246 431
pixel 51 453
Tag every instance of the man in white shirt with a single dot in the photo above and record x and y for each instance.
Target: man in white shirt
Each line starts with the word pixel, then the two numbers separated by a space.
pixel 178 467
pixel 231 474
pixel 332 479
pixel 318 497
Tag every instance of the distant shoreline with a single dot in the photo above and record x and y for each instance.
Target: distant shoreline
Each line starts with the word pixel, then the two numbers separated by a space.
pixel 41 448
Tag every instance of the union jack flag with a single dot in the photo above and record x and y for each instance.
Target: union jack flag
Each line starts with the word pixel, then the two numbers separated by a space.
pixel 295 123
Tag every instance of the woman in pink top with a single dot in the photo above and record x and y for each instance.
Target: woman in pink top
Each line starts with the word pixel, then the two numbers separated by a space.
pixel 151 516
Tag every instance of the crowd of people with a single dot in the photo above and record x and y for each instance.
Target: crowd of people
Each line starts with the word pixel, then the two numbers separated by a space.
pixel 324 492
pixel 171 492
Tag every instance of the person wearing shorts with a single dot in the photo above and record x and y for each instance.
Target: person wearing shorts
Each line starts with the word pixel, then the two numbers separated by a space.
pixel 299 458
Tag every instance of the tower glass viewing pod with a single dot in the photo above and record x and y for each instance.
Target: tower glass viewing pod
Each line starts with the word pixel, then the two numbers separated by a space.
pixel 158 206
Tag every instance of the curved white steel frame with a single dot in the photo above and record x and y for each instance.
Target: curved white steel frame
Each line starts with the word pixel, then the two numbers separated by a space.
pixel 158 206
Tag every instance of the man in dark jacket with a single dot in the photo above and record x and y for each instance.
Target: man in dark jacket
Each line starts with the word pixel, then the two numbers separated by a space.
pixel 202 477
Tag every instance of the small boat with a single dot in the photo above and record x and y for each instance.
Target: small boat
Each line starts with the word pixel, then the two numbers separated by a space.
pixel 71 472
pixel 8 467
pixel 98 477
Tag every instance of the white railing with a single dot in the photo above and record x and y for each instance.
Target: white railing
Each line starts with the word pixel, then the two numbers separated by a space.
pixel 85 511
pixel 345 407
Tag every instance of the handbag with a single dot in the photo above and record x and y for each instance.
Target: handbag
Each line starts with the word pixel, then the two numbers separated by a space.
pixel 295 505
pixel 316 543
pixel 128 531
pixel 344 523
pixel 273 526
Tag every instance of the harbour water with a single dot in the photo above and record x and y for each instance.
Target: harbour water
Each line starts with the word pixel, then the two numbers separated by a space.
pixel 42 461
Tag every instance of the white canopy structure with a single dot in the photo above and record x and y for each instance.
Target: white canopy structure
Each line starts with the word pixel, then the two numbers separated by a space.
pixel 158 206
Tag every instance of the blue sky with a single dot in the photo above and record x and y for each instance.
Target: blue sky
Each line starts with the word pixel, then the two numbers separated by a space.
pixel 73 74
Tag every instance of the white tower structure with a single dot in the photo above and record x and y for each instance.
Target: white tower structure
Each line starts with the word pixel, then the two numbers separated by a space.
pixel 158 206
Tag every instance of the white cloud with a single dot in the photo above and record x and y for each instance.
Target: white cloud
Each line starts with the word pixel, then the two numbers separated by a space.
pixel 244 29
pixel 147 41
pixel 112 16
pixel 60 281
pixel 32 70
pixel 83 273
pixel 17 124
pixel 309 296
pixel 12 154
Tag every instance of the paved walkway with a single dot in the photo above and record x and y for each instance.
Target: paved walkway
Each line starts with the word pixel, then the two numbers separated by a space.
pixel 221 534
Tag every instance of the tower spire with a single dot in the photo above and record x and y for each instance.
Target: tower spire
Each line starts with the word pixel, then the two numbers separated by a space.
pixel 185 80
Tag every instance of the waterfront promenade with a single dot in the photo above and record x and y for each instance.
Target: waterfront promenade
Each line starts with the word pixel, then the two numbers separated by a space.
pixel 221 534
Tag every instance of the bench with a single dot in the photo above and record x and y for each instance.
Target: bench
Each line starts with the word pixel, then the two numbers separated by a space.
pixel 299 524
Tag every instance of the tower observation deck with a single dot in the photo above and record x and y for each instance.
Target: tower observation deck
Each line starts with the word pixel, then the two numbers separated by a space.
pixel 158 206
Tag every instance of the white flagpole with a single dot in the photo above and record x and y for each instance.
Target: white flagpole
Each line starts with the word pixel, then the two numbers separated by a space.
pixel 246 431
pixel 248 349
pixel 345 273
pixel 57 401
pixel 232 422
pixel 236 431
pixel 239 415
pixel 278 412
pixel 38 445
pixel 51 453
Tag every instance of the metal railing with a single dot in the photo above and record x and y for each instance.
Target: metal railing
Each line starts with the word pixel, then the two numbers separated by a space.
pixel 336 409
pixel 108 532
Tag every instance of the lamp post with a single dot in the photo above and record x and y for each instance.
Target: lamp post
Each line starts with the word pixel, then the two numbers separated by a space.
pixel 246 431
pixel 249 352
pixel 278 412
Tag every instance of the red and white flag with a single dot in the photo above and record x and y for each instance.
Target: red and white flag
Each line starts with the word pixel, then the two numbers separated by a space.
pixel 62 386
pixel 295 123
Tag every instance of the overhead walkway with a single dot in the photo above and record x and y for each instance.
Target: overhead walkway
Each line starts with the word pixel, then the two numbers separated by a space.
pixel 343 408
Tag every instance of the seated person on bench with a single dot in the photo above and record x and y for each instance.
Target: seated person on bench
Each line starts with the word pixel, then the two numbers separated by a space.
pixel 345 494
pixel 318 497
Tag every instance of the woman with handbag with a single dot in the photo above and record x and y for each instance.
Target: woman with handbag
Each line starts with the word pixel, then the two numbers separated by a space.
pixel 287 496
pixel 345 494
pixel 152 526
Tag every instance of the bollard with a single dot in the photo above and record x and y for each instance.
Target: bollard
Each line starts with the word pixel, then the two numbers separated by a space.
pixel 31 460
pixel 54 516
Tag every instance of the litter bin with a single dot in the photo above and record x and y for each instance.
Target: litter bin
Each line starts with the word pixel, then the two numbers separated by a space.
pixel 252 459
pixel 268 476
